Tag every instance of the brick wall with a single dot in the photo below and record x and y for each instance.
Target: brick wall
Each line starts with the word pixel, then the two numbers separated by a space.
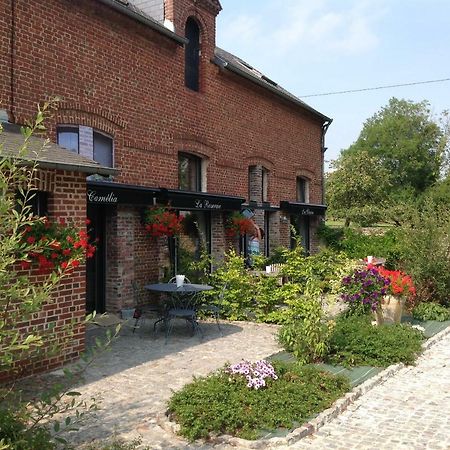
pixel 139 97
pixel 67 200
pixel 124 79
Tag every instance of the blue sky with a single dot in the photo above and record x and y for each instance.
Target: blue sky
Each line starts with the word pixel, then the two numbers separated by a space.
pixel 316 46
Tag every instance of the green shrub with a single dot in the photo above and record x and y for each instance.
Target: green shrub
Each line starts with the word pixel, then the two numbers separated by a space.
pixel 356 244
pixel 355 341
pixel 223 404
pixel 15 433
pixel 307 334
pixel 425 246
pixel 431 311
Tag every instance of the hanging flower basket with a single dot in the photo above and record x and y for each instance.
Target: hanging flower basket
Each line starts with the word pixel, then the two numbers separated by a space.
pixel 239 225
pixel 160 221
pixel 55 245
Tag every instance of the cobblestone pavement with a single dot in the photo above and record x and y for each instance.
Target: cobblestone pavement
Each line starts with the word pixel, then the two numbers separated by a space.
pixel 136 378
pixel 409 411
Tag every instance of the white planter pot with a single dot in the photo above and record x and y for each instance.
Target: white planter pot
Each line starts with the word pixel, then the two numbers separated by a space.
pixel 391 310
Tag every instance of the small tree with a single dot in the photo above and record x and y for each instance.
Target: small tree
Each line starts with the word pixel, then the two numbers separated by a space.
pixel 23 425
pixel 358 188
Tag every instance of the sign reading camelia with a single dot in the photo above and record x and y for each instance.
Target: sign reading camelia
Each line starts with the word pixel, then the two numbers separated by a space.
pixel 109 199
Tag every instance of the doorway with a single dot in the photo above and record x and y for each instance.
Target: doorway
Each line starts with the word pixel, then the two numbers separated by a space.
pixel 96 266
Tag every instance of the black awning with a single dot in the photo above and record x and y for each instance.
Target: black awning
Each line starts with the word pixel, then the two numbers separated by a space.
pixel 303 209
pixel 107 193
pixel 199 200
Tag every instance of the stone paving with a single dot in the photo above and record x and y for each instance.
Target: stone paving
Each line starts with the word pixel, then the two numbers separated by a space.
pixel 136 377
pixel 411 410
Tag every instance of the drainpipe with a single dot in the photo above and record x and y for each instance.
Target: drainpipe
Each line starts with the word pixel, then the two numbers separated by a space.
pixel 12 48
pixel 325 127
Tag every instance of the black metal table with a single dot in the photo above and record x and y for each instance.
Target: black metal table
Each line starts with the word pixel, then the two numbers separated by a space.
pixel 181 298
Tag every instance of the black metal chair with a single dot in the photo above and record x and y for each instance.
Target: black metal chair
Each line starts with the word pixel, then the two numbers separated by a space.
pixel 143 310
pixel 182 308
pixel 214 309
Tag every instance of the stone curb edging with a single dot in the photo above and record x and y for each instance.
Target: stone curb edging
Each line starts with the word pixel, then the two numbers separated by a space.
pixel 338 407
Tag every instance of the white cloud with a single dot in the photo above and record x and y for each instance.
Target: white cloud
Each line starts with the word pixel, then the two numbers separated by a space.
pixel 320 27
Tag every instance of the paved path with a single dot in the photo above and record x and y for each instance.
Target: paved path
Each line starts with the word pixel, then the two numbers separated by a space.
pixel 409 411
pixel 136 378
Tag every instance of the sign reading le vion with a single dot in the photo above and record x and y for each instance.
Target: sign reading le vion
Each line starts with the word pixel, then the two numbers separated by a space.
pixel 104 198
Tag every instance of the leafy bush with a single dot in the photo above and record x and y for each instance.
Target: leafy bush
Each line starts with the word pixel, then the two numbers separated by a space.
pixel 425 245
pixel 307 335
pixel 220 403
pixel 431 311
pixel 238 296
pixel 15 433
pixel 355 341
pixel 356 244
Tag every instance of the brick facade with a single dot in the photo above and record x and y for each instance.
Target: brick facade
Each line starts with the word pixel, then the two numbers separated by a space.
pixel 126 79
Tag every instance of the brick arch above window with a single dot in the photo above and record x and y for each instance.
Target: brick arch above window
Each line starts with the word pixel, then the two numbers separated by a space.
pixel 89 112
pixel 305 173
pixel 259 161
pixel 194 146
pixel 195 14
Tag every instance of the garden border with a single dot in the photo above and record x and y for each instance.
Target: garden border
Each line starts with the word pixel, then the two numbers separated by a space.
pixel 326 416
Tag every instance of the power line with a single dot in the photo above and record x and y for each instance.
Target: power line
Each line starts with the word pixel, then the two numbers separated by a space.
pixel 376 88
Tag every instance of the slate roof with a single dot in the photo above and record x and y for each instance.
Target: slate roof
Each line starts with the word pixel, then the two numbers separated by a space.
pixel 235 64
pixel 52 156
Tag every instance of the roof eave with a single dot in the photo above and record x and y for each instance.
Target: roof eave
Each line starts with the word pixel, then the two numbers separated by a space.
pixel 225 65
pixel 91 170
pixel 120 7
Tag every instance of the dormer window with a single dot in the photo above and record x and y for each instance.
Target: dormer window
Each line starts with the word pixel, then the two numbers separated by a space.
pixel 192 55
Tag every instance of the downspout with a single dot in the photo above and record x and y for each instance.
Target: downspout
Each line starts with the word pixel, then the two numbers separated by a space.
pixel 12 99
pixel 325 127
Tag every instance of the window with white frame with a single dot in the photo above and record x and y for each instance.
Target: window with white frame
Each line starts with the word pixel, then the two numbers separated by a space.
pixel 88 142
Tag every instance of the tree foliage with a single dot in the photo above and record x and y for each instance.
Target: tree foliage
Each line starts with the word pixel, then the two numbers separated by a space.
pixel 400 153
pixel 358 187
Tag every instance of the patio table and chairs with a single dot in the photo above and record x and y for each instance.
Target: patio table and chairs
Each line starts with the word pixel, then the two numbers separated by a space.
pixel 180 302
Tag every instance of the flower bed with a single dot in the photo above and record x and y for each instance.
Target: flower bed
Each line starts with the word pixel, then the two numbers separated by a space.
pixel 227 403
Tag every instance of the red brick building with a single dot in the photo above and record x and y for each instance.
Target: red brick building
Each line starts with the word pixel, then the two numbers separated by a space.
pixel 145 90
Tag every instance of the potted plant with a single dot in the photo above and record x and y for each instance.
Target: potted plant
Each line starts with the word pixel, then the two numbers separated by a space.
pixel 239 225
pixel 160 221
pixel 364 290
pixel 55 245
pixel 400 288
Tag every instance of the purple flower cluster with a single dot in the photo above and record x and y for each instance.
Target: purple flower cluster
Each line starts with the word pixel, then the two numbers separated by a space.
pixel 255 373
pixel 365 287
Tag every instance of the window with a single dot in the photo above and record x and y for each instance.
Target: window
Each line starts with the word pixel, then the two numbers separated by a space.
pixel 189 172
pixel 302 190
pixel 87 142
pixel 264 184
pixel 301 225
pixel 192 55
pixel 37 201
pixel 192 242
